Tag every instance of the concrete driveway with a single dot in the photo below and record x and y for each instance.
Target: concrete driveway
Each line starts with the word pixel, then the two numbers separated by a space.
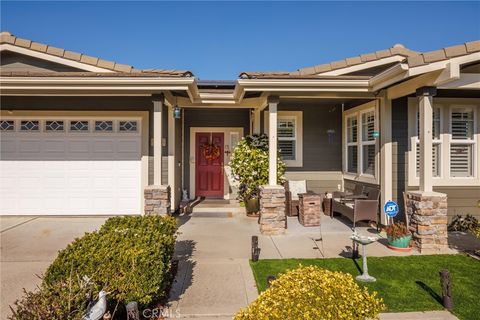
pixel 28 245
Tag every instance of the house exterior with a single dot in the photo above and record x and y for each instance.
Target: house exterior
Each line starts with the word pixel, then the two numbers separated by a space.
pixel 85 136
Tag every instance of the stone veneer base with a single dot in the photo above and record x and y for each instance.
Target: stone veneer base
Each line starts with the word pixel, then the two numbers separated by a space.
pixel 427 214
pixel 273 220
pixel 157 200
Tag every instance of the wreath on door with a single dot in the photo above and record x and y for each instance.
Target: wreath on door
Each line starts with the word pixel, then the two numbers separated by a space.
pixel 211 151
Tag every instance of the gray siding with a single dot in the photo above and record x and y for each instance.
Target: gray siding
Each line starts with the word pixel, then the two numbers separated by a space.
pixel 210 118
pixel 11 61
pixel 318 153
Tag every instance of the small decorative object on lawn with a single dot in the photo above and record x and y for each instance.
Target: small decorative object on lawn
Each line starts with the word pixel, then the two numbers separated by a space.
pixel 132 311
pixel 270 278
pixel 446 285
pixel 399 237
pixel 98 309
pixel 249 163
pixel 364 241
pixel 255 249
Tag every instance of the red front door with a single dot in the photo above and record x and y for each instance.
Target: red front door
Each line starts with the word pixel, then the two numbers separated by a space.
pixel 209 164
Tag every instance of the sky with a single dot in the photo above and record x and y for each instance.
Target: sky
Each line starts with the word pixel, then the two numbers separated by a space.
pixel 218 40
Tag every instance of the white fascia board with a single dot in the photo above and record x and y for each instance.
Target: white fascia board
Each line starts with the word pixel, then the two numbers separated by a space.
pixel 465 81
pixel 388 77
pixel 52 58
pixel 363 66
pixel 10 85
pixel 434 66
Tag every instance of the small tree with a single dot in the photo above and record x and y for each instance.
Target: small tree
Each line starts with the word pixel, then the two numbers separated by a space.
pixel 249 163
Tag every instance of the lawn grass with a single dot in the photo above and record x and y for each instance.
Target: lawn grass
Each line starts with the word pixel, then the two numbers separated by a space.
pixel 405 283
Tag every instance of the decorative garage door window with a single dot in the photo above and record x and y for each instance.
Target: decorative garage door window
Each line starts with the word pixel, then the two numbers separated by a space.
pixel 106 126
pixel 128 126
pixel 54 125
pixel 7 125
pixel 80 126
pixel 29 125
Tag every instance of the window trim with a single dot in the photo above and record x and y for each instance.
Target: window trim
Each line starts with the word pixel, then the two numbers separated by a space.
pixel 298 115
pixel 358 112
pixel 446 105
pixel 351 144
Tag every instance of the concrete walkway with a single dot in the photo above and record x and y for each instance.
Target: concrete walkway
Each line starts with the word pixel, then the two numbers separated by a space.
pixel 29 245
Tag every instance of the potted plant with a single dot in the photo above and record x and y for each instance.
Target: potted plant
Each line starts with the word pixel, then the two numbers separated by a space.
pixel 249 163
pixel 398 237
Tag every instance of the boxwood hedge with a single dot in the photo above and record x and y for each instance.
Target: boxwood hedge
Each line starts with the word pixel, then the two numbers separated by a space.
pixel 129 257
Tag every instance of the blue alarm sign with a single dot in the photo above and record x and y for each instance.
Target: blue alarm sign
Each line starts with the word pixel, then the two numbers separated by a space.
pixel 390 208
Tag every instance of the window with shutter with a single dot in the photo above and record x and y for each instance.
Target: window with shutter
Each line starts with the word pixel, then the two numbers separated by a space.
pixel 286 133
pixel 462 142
pixel 368 143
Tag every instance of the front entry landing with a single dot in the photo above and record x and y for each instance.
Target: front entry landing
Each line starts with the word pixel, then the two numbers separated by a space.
pixel 209 155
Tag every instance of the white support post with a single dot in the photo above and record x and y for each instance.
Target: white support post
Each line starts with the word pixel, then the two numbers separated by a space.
pixel 171 158
pixel 272 140
pixel 256 121
pixel 157 140
pixel 425 105
pixel 386 168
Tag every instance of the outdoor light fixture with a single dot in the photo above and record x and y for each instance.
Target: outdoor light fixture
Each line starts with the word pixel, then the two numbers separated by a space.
pixel 177 112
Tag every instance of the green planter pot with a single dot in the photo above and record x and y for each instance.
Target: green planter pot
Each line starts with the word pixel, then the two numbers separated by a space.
pixel 403 242
pixel 252 205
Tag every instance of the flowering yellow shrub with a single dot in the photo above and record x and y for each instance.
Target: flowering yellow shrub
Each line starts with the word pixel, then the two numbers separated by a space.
pixel 316 294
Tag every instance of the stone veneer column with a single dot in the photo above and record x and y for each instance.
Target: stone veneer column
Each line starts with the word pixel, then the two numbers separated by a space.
pixel 427 212
pixel 157 200
pixel 272 210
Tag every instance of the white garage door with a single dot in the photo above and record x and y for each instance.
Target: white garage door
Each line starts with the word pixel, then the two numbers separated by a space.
pixel 70 166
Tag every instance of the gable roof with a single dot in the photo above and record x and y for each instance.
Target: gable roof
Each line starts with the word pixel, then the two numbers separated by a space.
pixel 396 50
pixel 412 58
pixel 7 38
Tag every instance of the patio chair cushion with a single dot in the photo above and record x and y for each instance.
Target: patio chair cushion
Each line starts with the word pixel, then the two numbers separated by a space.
pixel 296 187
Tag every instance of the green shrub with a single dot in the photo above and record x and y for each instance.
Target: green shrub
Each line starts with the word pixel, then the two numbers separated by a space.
pixel 313 293
pixel 249 163
pixel 129 257
pixel 62 300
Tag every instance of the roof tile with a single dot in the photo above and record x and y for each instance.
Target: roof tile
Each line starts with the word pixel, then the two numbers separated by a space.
pixel 6 37
pixel 88 60
pixel 309 70
pixel 455 51
pixel 338 64
pixel 23 42
pixel 473 46
pixel 368 57
pixel 38 47
pixel 383 54
pixel 322 68
pixel 105 64
pixel 122 67
pixel 55 51
pixel 434 56
pixel 72 55
pixel 416 61
pixel 353 61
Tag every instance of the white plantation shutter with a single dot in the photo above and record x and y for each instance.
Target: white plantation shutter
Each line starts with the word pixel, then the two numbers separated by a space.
pixel 368 143
pixel 286 133
pixel 461 160
pixel 435 159
pixel 461 145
